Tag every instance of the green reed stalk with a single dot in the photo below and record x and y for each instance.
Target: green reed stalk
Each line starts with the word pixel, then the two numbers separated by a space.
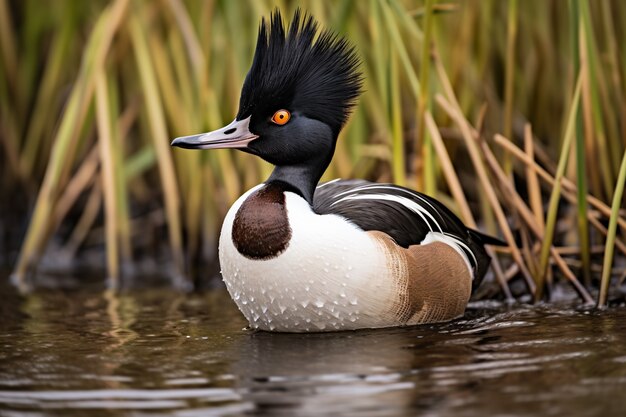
pixel 398 161
pixel 379 98
pixel 581 170
pixel 105 142
pixel 553 205
pixel 609 247
pixel 392 27
pixel 593 61
pixel 423 104
pixel 41 118
pixel 509 77
pixel 118 136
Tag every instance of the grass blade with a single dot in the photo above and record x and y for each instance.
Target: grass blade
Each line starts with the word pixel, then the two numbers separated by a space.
pixel 105 142
pixel 423 103
pixel 556 191
pixel 581 166
pixel 397 134
pixel 610 239
pixel 509 75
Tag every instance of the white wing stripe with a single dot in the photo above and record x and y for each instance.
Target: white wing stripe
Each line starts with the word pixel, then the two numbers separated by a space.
pixel 463 245
pixel 326 183
pixel 370 187
pixel 412 194
pixel 353 190
pixel 407 203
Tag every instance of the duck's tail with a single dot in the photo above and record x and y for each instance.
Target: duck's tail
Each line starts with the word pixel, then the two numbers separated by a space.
pixel 486 239
pixel 478 241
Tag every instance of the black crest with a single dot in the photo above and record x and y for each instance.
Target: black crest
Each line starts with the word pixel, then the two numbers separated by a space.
pixel 314 72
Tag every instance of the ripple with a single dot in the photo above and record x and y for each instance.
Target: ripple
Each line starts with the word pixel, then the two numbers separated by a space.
pixel 495 326
pixel 140 398
pixel 365 389
pixel 187 381
pixel 509 363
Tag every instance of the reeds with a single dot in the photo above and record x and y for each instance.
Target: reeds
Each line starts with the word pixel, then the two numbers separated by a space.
pixel 474 102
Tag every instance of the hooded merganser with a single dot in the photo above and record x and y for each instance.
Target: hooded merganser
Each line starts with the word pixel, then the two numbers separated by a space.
pixel 301 257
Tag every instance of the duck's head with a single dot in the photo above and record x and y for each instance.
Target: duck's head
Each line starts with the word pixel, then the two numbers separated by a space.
pixel 295 99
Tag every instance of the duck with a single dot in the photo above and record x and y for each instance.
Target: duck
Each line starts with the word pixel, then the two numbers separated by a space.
pixel 299 256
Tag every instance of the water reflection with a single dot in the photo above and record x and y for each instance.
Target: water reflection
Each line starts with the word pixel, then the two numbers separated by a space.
pixel 122 312
pixel 308 374
pixel 161 353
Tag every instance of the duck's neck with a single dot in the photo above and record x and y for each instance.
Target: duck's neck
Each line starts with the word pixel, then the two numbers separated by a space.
pixel 302 177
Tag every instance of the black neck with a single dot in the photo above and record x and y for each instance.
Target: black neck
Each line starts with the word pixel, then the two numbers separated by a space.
pixel 304 177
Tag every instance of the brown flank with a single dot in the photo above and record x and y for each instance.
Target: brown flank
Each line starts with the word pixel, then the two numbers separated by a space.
pixel 432 281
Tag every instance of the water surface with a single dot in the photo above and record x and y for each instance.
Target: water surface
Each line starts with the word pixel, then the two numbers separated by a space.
pixel 160 353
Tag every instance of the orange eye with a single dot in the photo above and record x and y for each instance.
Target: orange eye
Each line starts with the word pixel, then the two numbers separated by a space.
pixel 281 117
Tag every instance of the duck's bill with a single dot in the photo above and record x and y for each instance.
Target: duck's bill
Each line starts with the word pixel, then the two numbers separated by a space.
pixel 235 135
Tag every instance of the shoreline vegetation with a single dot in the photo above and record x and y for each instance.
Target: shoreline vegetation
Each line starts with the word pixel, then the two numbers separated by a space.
pixel 512 113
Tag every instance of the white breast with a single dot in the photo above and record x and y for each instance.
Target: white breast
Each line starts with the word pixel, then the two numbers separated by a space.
pixel 332 276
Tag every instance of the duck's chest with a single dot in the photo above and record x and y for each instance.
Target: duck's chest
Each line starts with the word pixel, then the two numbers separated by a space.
pixel 289 269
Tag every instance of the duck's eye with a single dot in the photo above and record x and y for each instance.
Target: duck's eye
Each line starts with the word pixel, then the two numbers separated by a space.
pixel 281 117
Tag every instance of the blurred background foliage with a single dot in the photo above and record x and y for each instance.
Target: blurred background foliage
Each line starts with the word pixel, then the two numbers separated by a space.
pixel 92 92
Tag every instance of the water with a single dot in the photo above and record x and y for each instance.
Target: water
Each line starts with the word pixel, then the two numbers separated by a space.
pixel 157 353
